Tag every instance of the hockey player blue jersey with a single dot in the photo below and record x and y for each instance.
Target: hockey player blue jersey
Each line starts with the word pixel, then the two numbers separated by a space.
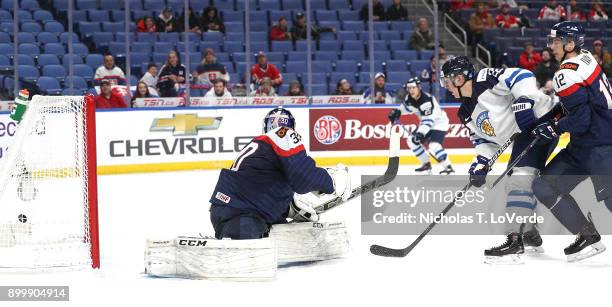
pixel 586 94
pixel 266 174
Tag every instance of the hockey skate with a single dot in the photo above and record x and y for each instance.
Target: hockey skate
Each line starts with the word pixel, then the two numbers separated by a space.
pixel 425 169
pixel 447 171
pixel 587 238
pixel 532 242
pixel 507 253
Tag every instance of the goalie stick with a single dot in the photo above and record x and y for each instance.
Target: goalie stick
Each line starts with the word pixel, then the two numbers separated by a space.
pixel 388 176
pixel 402 252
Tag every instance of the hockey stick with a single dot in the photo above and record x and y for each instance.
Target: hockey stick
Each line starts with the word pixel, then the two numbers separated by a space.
pixel 388 176
pixel 402 252
pixel 516 161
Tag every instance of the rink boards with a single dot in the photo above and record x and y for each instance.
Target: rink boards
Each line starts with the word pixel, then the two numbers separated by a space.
pixel 170 139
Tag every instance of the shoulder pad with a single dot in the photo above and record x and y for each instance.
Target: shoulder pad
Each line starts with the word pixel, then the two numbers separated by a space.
pixel 567 81
pixel 285 141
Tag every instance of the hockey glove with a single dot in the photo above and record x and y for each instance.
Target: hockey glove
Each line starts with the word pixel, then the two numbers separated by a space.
pixel 302 208
pixel 341 179
pixel 418 137
pixel 478 171
pixel 395 115
pixel 547 131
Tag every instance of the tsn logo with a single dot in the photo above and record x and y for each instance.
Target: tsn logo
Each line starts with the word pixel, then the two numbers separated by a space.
pixel 196 243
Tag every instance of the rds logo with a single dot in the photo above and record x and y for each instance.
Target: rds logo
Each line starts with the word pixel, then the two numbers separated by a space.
pixel 327 130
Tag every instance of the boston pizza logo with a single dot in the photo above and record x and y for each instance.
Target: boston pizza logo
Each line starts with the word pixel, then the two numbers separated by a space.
pixel 327 130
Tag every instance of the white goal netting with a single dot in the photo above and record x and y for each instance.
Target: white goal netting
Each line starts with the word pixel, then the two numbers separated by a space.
pixel 47 217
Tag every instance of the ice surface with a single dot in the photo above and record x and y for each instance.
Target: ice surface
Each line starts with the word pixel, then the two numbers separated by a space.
pixel 441 271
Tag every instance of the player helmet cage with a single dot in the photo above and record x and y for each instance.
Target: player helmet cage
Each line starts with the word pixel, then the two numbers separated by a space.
pixel 567 31
pixel 279 117
pixel 460 65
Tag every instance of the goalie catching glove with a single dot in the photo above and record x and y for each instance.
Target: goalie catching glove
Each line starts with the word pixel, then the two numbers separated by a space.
pixel 304 206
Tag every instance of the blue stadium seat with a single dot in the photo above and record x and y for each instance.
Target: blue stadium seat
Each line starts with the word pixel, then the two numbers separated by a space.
pixel 24 15
pixel 171 37
pixel 98 15
pixel 317 78
pixel 109 4
pixel 352 46
pixel 295 66
pixel 352 55
pixel 382 55
pixel 212 45
pixel 154 5
pixel 79 16
pixel 76 59
pixel 31 27
pixel 346 66
pixel 330 24
pixel 301 45
pixel 48 59
pixel 417 66
pixel 7 48
pixel 182 47
pixel 381 26
pixel 113 27
pixel 402 25
pixel 223 5
pixel 398 45
pixel 346 35
pixel 222 57
pixel 364 77
pixel 323 15
pixel 118 15
pixel 282 46
pixel 29 49
pixel 235 37
pixel 86 4
pixel 426 54
pixel 337 76
pixel 352 25
pixel 94 60
pixel 258 17
pixel 212 36
pixel 5 37
pixel 322 66
pixel 397 65
pixel 269 5
pixel 240 5
pixel 136 14
pixel 162 47
pixel 348 15
pixel 55 71
pixel 233 46
pixel 26 37
pixel 293 5
pixel 47 37
pixel 338 4
pixel 179 5
pixel 42 15
pixel 86 28
pixel 25 59
pixel 259 46
pixel 259 26
pixel 275 15
pixel 7 26
pixel 78 82
pixel 28 72
pixel 390 35
pixel 49 85
pixel 326 55
pixel 116 48
pixel 234 17
pixel 406 55
pixel 318 89
pixel 329 46
pixel 137 58
pixel 234 26
pixel 80 49
pixel 30 5
pixel 277 58
pixel 5 62
pixel 398 77
pixel 141 47
pixel 378 67
pixel 6 16
pixel 84 71
pixel 296 56
pixel 258 36
pixel 103 38
pixel 160 57
pixel 143 37
pixel 73 92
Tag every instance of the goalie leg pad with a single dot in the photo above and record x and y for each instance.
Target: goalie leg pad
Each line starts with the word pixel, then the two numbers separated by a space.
pixel 299 242
pixel 200 258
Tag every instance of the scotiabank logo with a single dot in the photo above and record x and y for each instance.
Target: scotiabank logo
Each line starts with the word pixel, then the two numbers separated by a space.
pixel 327 129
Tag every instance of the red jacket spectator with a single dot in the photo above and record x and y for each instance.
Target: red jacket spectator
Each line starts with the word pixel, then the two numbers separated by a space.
pixel 456 5
pixel 146 24
pixel 280 32
pixel 109 98
pixel 597 13
pixel 529 58
pixel 505 19
pixel 552 11
pixel 264 69
pixel 576 13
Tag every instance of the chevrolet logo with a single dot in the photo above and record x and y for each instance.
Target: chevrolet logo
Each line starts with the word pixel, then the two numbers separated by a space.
pixel 186 124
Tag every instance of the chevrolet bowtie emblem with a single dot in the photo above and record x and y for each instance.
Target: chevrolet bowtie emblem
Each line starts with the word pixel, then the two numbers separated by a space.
pixel 186 124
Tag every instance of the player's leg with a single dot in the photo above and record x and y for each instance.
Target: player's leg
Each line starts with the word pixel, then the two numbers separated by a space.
pixel 436 138
pixel 237 224
pixel 421 154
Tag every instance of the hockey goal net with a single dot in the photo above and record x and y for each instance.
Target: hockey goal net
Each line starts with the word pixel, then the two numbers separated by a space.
pixel 48 196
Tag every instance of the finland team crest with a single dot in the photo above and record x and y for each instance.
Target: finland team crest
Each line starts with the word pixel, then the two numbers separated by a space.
pixel 484 124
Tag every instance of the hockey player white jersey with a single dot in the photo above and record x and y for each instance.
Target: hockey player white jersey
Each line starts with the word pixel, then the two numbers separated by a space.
pixel 427 109
pixel 504 102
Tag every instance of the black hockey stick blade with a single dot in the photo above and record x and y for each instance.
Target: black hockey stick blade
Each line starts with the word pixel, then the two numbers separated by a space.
pixel 388 176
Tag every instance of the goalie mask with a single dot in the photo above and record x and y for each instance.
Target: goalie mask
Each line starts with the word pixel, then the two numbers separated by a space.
pixel 279 117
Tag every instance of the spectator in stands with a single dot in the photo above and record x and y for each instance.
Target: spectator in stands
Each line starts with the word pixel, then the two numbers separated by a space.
pixel 298 31
pixel 479 20
pixel 381 94
pixel 505 19
pixel 211 22
pixel 209 70
pixel 576 13
pixel 379 11
pixel 171 75
pixel 265 89
pixel 166 21
pixel 108 71
pixel 422 37
pixel 397 11
pixel 142 91
pixel 344 87
pixel 457 5
pixel 194 22
pixel 147 24
pixel 280 31
pixel 546 69
pixel 603 57
pixel 552 11
pixel 219 89
pixel 262 69
pixel 295 89
pixel 597 12
pixel 529 58
pixel 108 98
pixel 442 55
pixel 150 78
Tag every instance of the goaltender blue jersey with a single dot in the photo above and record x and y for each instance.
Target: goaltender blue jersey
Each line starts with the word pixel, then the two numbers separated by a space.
pixel 266 174
pixel 586 96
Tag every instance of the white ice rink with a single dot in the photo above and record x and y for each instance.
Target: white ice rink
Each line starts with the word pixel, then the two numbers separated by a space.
pixel 441 271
